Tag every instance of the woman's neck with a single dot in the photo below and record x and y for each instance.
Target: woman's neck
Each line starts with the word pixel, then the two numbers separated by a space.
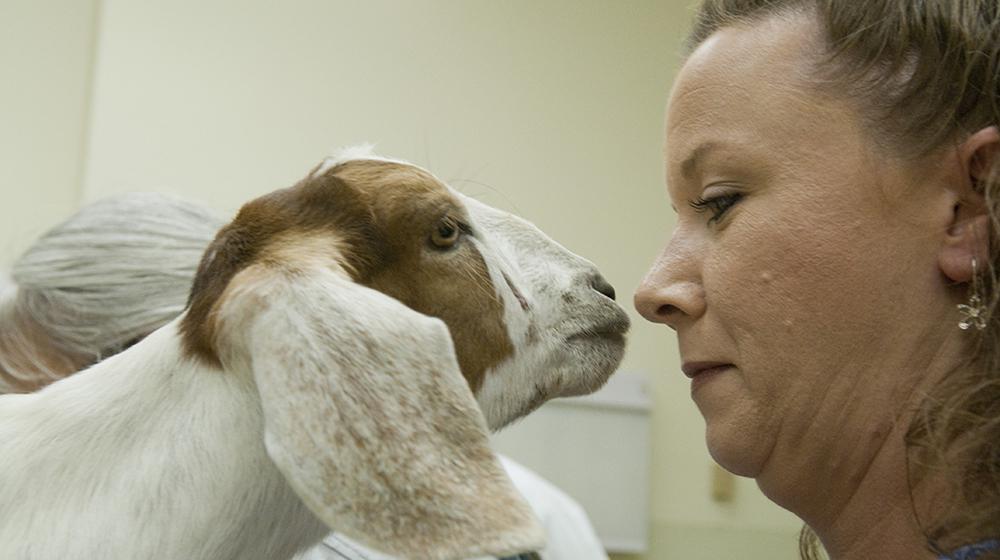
pixel 883 517
pixel 857 485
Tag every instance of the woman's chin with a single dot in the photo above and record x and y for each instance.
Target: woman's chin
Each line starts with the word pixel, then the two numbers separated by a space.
pixel 734 452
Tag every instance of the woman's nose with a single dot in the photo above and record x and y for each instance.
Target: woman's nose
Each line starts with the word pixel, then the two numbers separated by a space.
pixel 667 295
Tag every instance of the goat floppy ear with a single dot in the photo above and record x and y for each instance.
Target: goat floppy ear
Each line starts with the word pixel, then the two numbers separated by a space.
pixel 369 419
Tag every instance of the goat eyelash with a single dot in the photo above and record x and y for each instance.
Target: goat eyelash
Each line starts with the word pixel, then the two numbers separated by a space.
pixel 717 205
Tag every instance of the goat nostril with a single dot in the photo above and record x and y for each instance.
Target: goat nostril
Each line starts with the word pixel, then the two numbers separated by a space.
pixel 602 286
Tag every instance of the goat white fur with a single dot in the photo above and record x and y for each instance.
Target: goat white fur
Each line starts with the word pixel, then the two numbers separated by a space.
pixel 335 405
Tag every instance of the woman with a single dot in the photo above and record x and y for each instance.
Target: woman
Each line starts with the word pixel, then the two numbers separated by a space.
pixel 121 268
pixel 835 167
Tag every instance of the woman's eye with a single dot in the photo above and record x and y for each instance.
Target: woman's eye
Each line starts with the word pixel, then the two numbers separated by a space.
pixel 717 205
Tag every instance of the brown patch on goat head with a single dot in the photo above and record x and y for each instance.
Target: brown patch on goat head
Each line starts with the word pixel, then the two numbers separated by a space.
pixel 379 217
pixel 309 207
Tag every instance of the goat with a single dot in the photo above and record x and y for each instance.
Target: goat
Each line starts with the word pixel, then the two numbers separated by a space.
pixel 120 267
pixel 320 376
pixel 117 269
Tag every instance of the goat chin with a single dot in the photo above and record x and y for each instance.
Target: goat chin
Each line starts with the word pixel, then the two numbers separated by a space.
pixel 208 491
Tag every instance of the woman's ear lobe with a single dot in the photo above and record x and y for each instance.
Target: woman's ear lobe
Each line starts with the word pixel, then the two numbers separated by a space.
pixel 966 239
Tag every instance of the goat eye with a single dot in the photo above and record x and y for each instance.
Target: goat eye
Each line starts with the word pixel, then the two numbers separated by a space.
pixel 446 234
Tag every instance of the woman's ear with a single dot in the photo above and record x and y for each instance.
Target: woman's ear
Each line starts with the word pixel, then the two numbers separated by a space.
pixel 980 154
pixel 968 233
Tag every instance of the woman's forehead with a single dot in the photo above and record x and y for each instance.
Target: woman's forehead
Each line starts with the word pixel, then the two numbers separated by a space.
pixel 750 87
pixel 748 64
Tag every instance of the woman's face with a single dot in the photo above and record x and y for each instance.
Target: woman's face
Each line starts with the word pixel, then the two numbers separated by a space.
pixel 804 260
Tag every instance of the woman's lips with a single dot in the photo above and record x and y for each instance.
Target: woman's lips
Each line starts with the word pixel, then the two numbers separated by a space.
pixel 702 372
pixel 693 369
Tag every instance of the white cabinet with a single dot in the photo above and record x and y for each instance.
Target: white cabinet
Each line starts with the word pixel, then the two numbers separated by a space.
pixel 596 449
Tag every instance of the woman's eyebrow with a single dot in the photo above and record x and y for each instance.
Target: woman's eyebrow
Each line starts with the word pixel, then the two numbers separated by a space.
pixel 690 165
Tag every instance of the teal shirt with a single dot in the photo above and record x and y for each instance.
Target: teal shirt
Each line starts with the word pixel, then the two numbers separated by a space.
pixel 972 551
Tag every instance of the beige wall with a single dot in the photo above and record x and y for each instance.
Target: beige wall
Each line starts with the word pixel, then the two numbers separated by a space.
pixel 550 108
pixel 46 51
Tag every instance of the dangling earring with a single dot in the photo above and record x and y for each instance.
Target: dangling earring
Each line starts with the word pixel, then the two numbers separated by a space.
pixel 973 313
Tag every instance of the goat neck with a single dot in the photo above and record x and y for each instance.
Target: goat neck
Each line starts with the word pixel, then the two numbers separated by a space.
pixel 206 489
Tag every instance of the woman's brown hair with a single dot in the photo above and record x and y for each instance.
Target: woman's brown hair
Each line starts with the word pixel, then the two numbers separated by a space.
pixel 924 75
